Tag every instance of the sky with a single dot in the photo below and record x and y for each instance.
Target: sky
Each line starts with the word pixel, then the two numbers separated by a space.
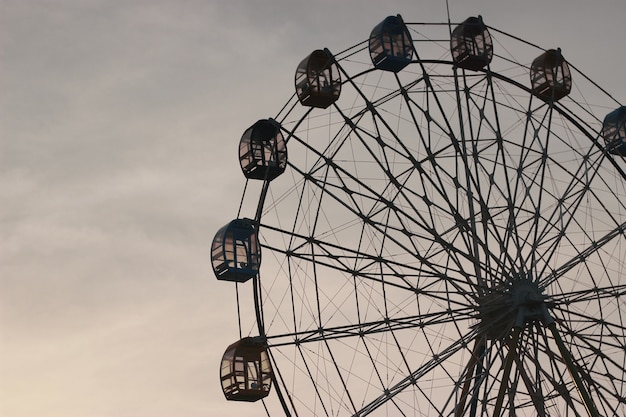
pixel 119 126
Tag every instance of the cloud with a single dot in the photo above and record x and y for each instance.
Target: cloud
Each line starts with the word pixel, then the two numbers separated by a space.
pixel 118 157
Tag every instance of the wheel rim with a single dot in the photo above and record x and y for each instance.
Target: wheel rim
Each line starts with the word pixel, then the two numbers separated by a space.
pixel 443 243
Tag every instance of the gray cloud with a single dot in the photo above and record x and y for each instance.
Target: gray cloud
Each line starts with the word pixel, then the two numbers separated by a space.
pixel 118 133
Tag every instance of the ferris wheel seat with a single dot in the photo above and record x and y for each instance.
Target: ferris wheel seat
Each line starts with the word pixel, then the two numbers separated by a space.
pixel 318 81
pixel 614 131
pixel 235 252
pixel 471 44
pixel 246 372
pixel 262 151
pixel 390 45
pixel 550 76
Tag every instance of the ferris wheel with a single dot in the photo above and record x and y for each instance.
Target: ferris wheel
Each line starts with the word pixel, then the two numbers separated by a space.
pixel 442 219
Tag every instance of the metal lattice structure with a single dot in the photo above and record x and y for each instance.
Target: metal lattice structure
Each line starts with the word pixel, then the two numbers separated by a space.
pixel 446 239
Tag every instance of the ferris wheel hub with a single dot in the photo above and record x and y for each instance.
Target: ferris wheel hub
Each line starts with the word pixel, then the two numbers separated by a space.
pixel 515 303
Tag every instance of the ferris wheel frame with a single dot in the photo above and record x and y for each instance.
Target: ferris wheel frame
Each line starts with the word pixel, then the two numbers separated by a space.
pixel 501 311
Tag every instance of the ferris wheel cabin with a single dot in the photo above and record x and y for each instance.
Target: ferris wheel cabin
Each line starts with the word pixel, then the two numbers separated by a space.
pixel 614 131
pixel 235 251
pixel 246 372
pixel 550 76
pixel 318 81
pixel 471 44
pixel 262 151
pixel 390 45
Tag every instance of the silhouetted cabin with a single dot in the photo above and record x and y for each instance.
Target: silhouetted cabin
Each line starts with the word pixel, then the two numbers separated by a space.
pixel 262 151
pixel 235 252
pixel 246 372
pixel 614 131
pixel 471 44
pixel 318 81
pixel 390 45
pixel 550 77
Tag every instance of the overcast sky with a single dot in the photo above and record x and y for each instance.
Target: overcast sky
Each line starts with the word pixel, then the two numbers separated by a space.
pixel 119 125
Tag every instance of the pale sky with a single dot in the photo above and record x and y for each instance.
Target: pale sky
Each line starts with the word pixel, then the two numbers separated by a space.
pixel 119 126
